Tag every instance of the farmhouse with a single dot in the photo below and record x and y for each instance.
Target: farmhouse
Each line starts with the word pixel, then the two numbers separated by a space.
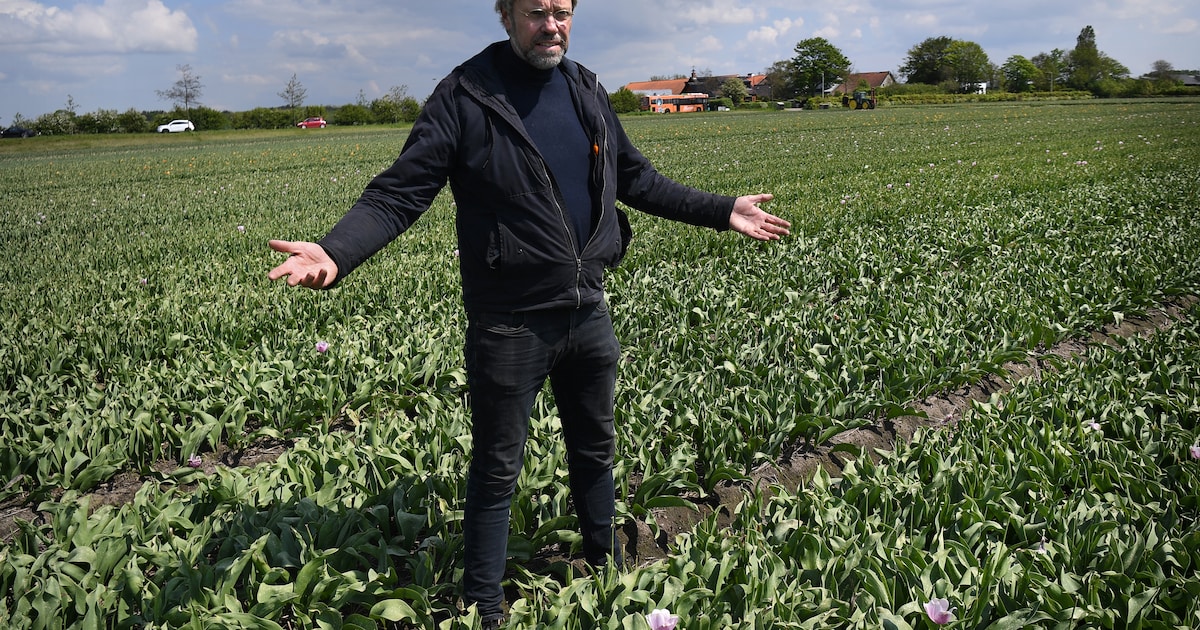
pixel 756 86
pixel 874 80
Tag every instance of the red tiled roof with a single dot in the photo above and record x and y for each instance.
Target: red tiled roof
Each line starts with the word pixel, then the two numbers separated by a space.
pixel 673 86
pixel 873 79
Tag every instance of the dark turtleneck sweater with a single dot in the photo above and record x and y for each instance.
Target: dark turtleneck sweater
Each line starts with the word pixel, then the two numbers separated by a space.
pixel 543 100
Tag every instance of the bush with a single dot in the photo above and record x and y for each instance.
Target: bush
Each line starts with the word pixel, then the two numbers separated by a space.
pixel 714 103
pixel 133 121
pixel 58 123
pixel 390 111
pixel 208 119
pixel 263 118
pixel 351 115
pixel 99 121
pixel 624 101
pixel 902 89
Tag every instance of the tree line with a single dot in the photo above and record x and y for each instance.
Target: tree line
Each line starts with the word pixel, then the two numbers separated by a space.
pixel 394 107
pixel 948 65
pixel 941 65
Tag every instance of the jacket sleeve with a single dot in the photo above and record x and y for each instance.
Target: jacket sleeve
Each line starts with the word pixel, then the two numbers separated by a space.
pixel 398 196
pixel 641 186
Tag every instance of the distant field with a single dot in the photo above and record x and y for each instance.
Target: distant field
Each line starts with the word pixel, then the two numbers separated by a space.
pixel 930 246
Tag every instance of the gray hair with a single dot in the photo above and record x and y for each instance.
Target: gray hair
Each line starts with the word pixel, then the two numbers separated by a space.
pixel 505 7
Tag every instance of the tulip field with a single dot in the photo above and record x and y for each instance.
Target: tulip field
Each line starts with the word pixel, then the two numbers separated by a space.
pixel 142 346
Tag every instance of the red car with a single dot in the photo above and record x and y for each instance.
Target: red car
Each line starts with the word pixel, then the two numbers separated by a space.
pixel 309 123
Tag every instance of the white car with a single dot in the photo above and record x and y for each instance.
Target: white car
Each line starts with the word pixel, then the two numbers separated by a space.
pixel 176 125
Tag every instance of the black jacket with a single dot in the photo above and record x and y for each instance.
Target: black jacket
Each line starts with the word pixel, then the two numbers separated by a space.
pixel 516 250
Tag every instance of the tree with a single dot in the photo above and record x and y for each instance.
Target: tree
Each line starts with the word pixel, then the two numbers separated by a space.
pixel 186 91
pixel 1019 74
pixel 1051 67
pixel 927 63
pixel 1088 67
pixel 817 63
pixel 734 89
pixel 396 106
pixel 624 101
pixel 968 64
pixel 1162 70
pixel 61 122
pixel 353 114
pixel 99 121
pixel 1084 61
pixel 293 94
pixel 779 78
pixel 132 121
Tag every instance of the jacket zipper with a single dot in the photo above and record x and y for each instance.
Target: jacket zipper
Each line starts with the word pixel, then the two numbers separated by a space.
pixel 562 215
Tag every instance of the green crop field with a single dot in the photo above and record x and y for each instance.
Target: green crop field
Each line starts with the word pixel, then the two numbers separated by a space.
pixel 140 339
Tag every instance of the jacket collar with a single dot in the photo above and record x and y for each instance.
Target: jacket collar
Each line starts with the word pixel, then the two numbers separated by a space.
pixel 481 78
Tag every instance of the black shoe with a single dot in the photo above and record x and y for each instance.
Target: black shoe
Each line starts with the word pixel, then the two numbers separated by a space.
pixel 492 624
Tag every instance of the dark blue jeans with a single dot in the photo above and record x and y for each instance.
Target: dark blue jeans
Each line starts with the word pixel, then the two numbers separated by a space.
pixel 509 356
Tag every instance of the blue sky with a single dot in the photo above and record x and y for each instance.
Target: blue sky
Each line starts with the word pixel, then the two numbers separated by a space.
pixel 114 54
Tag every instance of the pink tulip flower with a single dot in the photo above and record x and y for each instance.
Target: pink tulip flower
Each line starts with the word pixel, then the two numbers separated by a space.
pixel 661 619
pixel 939 611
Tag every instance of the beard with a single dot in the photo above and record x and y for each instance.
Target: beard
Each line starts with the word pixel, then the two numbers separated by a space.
pixel 538 58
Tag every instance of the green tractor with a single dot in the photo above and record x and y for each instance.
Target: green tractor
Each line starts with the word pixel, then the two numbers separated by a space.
pixel 862 99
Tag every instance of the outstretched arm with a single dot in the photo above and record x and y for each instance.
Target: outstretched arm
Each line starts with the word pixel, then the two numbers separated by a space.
pixel 753 221
pixel 307 264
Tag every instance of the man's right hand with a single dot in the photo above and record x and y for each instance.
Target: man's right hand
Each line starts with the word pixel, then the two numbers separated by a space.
pixel 307 264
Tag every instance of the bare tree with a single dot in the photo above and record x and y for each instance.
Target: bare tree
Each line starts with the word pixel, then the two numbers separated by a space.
pixel 1162 70
pixel 294 94
pixel 186 91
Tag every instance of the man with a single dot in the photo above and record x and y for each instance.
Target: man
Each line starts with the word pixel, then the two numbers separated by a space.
pixel 537 160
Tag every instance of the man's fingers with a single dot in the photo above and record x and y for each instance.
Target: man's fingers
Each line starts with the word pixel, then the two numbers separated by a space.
pixel 284 247
pixel 287 267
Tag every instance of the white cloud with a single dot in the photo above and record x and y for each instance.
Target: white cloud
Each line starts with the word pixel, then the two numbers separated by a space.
pixel 311 44
pixel 770 34
pixel 719 14
pixel 830 32
pixel 711 43
pixel 1183 27
pixel 255 80
pixel 116 26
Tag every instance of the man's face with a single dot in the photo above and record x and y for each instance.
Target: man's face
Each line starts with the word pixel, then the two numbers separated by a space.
pixel 536 34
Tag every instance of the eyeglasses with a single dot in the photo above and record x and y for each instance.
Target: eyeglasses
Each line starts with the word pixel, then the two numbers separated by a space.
pixel 562 16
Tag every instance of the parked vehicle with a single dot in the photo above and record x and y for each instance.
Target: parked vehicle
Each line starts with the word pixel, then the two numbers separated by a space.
pixel 862 99
pixel 176 126
pixel 312 122
pixel 667 103
pixel 18 132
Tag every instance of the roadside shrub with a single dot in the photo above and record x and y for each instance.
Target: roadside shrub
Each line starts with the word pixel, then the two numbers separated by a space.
pixel 351 115
pixel 263 118
pixel 99 121
pixel 714 103
pixel 132 121
pixel 208 119
pixel 625 101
